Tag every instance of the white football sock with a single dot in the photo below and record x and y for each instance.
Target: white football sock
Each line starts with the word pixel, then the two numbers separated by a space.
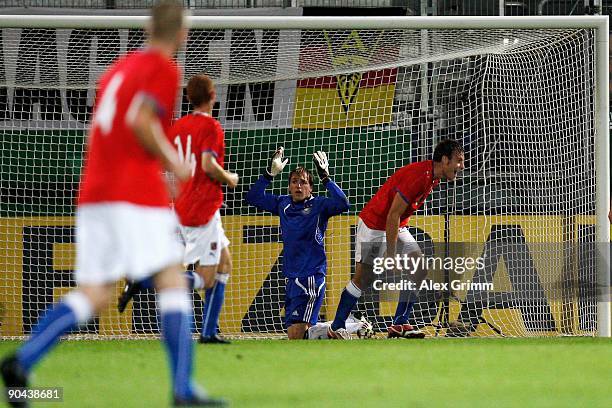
pixel 198 282
pixel 352 327
pixel 318 331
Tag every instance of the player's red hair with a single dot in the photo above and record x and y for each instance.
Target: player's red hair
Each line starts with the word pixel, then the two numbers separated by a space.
pixel 200 89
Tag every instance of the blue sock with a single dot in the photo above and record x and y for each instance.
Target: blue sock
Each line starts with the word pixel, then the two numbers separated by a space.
pixel 207 295
pixel 404 308
pixel 205 311
pixel 190 276
pixel 212 306
pixel 348 300
pixel 194 281
pixel 147 283
pixel 177 337
pixel 59 319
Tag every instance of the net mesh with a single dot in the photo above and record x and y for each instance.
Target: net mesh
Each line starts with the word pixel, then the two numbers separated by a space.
pixel 520 101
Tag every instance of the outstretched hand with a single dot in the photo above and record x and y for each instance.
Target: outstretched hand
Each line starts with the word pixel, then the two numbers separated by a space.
pixel 277 164
pixel 322 164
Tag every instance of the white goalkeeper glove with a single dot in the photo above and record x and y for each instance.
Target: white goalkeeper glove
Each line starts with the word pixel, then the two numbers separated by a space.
pixel 277 164
pixel 322 165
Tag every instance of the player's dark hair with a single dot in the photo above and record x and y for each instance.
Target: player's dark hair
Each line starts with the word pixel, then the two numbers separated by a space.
pixel 446 147
pixel 301 171
pixel 167 19
pixel 199 89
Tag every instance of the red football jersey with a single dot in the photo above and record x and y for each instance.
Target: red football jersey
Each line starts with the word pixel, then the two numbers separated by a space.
pixel 201 196
pixel 117 167
pixel 413 182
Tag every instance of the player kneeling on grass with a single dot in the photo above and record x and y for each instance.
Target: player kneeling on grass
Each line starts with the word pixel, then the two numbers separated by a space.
pixel 303 221
pixel 383 221
pixel 199 140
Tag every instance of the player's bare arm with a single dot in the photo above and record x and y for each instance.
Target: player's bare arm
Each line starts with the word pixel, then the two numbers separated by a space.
pixel 398 206
pixel 216 172
pixel 147 128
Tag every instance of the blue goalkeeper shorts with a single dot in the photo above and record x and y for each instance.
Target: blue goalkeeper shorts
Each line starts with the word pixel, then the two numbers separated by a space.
pixel 303 299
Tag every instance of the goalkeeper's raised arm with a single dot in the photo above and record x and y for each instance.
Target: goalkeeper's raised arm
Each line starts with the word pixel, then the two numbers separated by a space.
pixel 256 195
pixel 337 202
pixel 303 220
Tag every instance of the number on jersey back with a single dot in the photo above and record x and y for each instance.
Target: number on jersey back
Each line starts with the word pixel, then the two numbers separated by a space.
pixel 201 196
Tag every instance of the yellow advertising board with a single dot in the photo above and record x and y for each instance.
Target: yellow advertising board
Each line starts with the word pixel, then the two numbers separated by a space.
pixel 38 256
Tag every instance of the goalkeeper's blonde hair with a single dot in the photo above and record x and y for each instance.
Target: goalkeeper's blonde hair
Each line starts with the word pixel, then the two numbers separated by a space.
pixel 300 170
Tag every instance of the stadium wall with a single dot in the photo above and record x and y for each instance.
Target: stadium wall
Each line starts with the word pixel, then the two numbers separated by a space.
pixel 40 170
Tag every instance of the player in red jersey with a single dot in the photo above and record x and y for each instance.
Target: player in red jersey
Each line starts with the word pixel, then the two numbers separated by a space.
pixel 124 225
pixel 199 140
pixel 382 222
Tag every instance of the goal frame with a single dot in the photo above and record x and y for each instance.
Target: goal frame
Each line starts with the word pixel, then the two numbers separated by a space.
pixel 598 23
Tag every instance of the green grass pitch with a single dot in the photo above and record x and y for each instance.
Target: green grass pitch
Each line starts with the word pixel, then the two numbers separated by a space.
pixel 545 372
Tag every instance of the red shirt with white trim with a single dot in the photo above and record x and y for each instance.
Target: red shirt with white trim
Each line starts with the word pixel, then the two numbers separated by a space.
pixel 413 182
pixel 201 196
pixel 117 167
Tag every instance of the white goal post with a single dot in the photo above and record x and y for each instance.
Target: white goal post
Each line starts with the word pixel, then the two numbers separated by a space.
pixel 527 96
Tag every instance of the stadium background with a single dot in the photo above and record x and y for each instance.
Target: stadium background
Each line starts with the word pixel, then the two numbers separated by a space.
pixel 43 242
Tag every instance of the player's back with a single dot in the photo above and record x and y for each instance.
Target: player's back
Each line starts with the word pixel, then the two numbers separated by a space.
pixel 201 196
pixel 414 182
pixel 117 167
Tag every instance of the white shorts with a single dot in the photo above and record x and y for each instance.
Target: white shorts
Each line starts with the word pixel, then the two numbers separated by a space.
pixel 370 244
pixel 204 244
pixel 115 240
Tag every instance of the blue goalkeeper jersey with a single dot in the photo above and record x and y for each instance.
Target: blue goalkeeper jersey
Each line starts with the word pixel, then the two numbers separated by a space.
pixel 302 224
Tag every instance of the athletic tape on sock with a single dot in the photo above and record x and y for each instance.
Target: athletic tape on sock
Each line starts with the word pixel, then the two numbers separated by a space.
pixel 198 282
pixel 174 300
pixel 222 277
pixel 80 305
pixel 353 289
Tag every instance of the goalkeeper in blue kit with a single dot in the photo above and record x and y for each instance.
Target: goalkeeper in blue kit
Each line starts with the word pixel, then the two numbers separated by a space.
pixel 303 221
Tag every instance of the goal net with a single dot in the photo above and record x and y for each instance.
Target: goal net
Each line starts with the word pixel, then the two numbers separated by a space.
pixel 522 102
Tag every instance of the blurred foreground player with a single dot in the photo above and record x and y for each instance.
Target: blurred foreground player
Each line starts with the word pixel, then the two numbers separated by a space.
pixel 200 142
pixel 123 222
